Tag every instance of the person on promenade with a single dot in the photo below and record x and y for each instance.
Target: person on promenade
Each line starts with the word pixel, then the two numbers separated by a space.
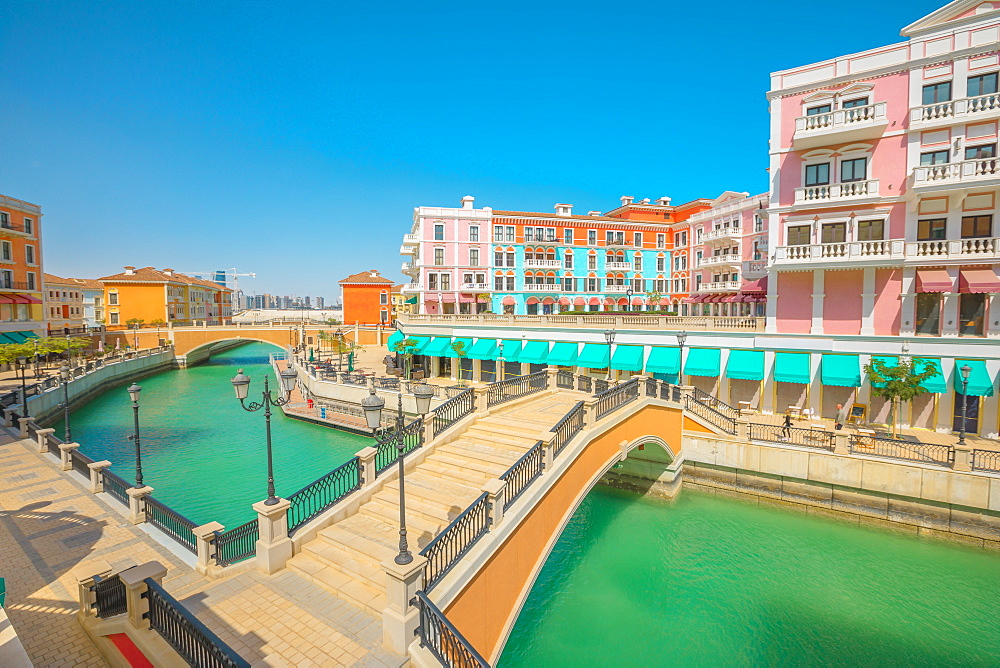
pixel 841 416
pixel 786 431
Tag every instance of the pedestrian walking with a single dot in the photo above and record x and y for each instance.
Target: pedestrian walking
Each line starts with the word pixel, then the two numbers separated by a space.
pixel 786 428
pixel 841 416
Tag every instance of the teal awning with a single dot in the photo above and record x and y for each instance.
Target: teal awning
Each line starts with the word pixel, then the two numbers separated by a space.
pixel 563 354
pixel 418 343
pixel 15 337
pixel 411 300
pixel 483 349
pixel 980 383
pixel 28 335
pixel 511 350
pixel 466 347
pixel 841 370
pixel 702 362
pixel 6 338
pixel 745 365
pixel 534 352
pixel 439 346
pixel 627 358
pixel 663 360
pixel 936 383
pixel 792 368
pixel 890 362
pixel 594 356
pixel 393 339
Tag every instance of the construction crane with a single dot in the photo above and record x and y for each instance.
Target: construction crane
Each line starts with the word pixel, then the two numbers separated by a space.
pixel 229 274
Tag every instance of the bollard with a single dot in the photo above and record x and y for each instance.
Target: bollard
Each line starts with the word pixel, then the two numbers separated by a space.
pixel 66 456
pixel 206 534
pixel 97 475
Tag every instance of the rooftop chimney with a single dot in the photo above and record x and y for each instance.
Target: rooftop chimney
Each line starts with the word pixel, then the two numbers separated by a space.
pixel 593 213
pixel 129 270
pixel 644 201
pixel 663 201
pixel 373 272
pixel 564 209
pixel 467 201
pixel 168 272
pixel 626 200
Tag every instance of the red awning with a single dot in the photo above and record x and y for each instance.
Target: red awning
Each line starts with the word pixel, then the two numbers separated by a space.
pixel 975 281
pixel 609 302
pixel 564 301
pixel 580 301
pixel 548 300
pixel 594 301
pixel 933 280
pixel 508 301
pixel 20 299
pixel 664 301
pixel 760 285
pixel 637 301
pixel 623 302
pixel 729 299
pixel 467 299
pixel 432 298
pixel 7 299
pixel 450 297
pixel 532 300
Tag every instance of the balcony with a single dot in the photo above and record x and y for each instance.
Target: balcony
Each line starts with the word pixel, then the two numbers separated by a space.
pixel 618 266
pixel 851 251
pixel 840 126
pixel 17 286
pixel 410 240
pixel 837 192
pixel 408 268
pixel 981 172
pixel 474 287
pixel 543 264
pixel 543 287
pixel 595 321
pixel 617 289
pixel 726 233
pixel 410 287
pixel 9 229
pixel 894 251
pixel 971 109
pixel 964 250
pixel 730 259
pixel 407 249
pixel 720 286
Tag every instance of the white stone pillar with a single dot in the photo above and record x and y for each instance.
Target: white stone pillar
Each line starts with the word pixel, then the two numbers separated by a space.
pixel 400 619
pixel 818 294
pixel 949 309
pixel 23 423
pixel 97 475
pixel 134 580
pixel 814 398
pixel 8 417
pixel 206 536
pixel 767 393
pixel 840 443
pixel 429 427
pixel 136 503
pixel 963 458
pixel 85 575
pixel 868 302
pixel 65 456
pixel 43 439
pixel 993 322
pixel 367 457
pixel 496 489
pixel 274 547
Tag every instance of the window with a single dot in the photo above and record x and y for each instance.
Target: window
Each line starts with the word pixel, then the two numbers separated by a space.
pixel 818 175
pixel 798 235
pixel 591 262
pixel 758 223
pixel 591 285
pixel 550 234
pixel 383 298
pixel 637 263
pixel 510 283
pixel 446 281
pixel 637 239
pixel 113 299
pixel 432 281
pixel 29 226
pixel 439 233
pixel 439 256
pixel 5 250
pixel 821 109
pixel 871 230
pixel 529 234
pixel 568 261
pixel 114 318
pixel 934 158
pixel 980 152
pixel 856 102
pixel 591 237
pixel 568 236
pixel 569 284
pixel 4 219
pixel 498 282
pixel 971 312
pixel 931 229
pixel 31 280
pixel 473 257
pixel 510 258
pixel 975 227
pixel 510 234
pixel 473 233
pixel 638 285
pixel 498 258
pixel 984 84
pixel 935 93
pixel 661 240
pixel 853 170
pixel 29 254
pixel 681 239
pixel 498 233
pixel 834 233
pixel 659 264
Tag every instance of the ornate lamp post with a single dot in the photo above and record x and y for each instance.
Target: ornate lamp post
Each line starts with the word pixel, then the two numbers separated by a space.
pixel 241 384
pixel 64 377
pixel 609 336
pixel 34 343
pixel 22 366
pixel 373 406
pixel 966 371
pixel 681 338
pixel 133 392
pixel 340 350
pixel 628 295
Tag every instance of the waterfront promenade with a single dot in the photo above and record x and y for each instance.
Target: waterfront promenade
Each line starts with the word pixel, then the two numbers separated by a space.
pixel 51 527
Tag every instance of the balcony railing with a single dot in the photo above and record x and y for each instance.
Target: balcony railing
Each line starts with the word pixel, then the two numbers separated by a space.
pixel 727 259
pixel 407 250
pixel 543 264
pixel 617 289
pixel 597 321
pixel 411 287
pixel 847 124
pixel 406 267
pixel 720 286
pixel 949 111
pixel 543 287
pixel 967 171
pixel 475 286
pixel 410 239
pixel 15 285
pixel 836 192
pixel 13 227
pixel 728 232
pixel 985 249
pixel 627 266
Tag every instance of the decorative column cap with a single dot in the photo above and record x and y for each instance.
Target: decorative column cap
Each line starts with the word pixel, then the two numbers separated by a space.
pixel 134 576
pixel 205 531
pixel 262 508
pixel 99 466
pixel 494 487
pixel 68 446
pixel 88 570
pixel 366 454
pixel 45 432
pixel 139 492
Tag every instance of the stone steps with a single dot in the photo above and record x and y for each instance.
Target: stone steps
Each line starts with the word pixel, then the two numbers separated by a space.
pixel 344 586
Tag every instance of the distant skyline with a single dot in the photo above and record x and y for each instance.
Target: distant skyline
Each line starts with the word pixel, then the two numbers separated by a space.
pixel 293 141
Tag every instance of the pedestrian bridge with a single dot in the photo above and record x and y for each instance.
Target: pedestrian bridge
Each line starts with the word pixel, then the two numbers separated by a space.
pixel 492 478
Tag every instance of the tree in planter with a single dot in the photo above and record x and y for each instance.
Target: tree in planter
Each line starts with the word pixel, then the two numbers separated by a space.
pixel 485 298
pixel 158 323
pixel 653 297
pixel 134 324
pixel 406 348
pixel 899 383
pixel 459 349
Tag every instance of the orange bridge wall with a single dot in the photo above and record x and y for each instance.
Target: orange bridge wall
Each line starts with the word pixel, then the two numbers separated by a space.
pixel 482 610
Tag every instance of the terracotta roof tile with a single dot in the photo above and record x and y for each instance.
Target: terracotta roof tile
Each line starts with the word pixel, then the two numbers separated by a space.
pixel 366 277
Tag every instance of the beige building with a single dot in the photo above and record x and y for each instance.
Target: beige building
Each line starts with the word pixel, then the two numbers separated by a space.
pixel 63 305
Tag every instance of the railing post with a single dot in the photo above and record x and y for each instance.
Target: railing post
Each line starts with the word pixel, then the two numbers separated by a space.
pixel 482 400
pixel 8 417
pixel 548 450
pixel 428 427
pixel 274 547
pixel 43 439
pixel 66 455
pixel 367 457
pixel 136 503
pixel 552 379
pixel 963 458
pixel 206 534
pixel 496 490
pixel 400 619
pixel 743 428
pixel 589 412
pixel 23 422
pixel 840 443
pixel 134 580
pixel 85 575
pixel 97 475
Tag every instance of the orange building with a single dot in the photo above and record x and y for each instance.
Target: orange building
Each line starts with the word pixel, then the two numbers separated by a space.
pixel 150 294
pixel 21 311
pixel 367 298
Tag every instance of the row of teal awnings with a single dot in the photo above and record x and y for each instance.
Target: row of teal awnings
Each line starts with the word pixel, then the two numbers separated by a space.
pixel 17 337
pixel 836 369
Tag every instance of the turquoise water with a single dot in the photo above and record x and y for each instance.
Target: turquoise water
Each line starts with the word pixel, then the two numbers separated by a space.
pixel 203 455
pixel 706 581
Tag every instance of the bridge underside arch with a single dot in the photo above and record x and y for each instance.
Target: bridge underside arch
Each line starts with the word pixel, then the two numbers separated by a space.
pixel 202 349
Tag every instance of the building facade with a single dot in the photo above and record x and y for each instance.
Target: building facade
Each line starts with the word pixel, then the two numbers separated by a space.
pixel 21 307
pixel 150 295
pixel 63 305
pixel 367 298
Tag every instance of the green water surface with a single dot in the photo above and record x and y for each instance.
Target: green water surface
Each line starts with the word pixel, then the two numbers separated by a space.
pixel 203 455
pixel 711 581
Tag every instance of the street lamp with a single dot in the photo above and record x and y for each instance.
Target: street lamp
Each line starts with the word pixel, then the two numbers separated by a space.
pixel 681 338
pixel 628 295
pixel 241 384
pixel 22 366
pixel 64 376
pixel 340 350
pixel 609 336
pixel 373 406
pixel 966 370
pixel 34 343
pixel 133 392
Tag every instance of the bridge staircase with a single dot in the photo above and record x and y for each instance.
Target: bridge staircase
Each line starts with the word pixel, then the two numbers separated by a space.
pixel 345 557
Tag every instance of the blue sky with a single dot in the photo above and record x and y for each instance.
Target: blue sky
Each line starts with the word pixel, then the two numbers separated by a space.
pixel 294 139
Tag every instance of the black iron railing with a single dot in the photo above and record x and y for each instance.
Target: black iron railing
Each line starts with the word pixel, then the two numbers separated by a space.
pixel 236 544
pixel 601 385
pixel 706 412
pixel 52 443
pixel 80 462
pixel 522 473
pixel 442 639
pixel 568 427
pixel 650 387
pixel 453 410
pixel 456 540
pixel 185 633
pixel 109 596
pixel 514 388
pixel 386 383
pixel 614 398
pixel 320 495
pixel 387 448
pixel 986 460
pixel 584 384
pixel 172 523
pixel 670 392
pixel 715 404
pixel 115 486
pixel 927 453
pixel 775 433
pixel 564 379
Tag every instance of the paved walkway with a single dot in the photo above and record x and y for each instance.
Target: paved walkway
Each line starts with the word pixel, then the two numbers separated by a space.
pixel 51 526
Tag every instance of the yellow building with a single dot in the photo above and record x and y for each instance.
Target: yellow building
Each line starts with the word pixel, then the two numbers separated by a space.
pixel 150 294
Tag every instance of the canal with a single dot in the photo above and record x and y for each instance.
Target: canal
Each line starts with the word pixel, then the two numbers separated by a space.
pixel 707 581
pixel 204 455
